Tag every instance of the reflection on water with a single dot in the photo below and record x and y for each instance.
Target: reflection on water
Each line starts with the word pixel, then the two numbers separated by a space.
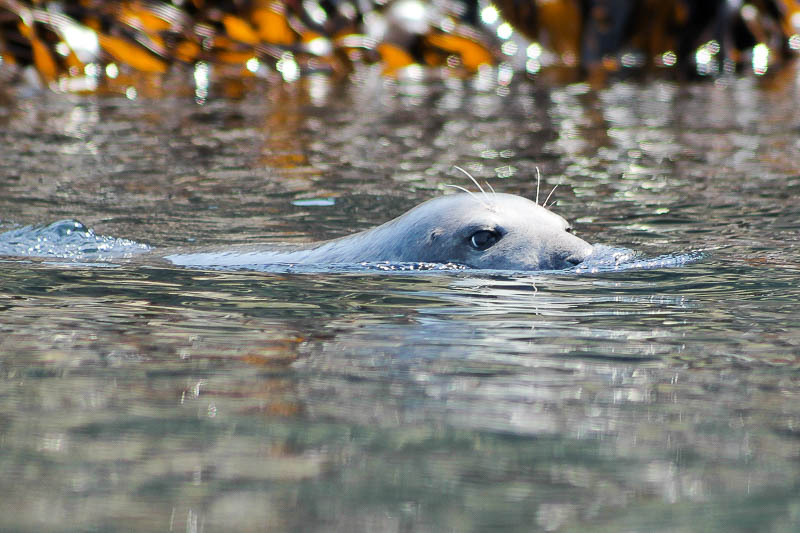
pixel 143 397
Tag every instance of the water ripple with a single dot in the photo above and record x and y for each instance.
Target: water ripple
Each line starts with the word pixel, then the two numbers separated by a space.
pixel 66 239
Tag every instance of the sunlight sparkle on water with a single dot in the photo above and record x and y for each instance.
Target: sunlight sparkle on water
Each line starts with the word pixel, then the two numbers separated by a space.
pixel 112 71
pixel 534 50
pixel 412 15
pixel 288 68
pixel 505 73
pixel 760 58
pixel 315 11
pixel 82 40
pixel 704 58
pixel 749 12
pixel 201 74
pixel 318 88
pixel 489 15
pixel 62 49
pixel 320 46
pixel 509 48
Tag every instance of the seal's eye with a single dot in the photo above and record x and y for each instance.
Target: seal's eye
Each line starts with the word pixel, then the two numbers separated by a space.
pixel 569 229
pixel 483 239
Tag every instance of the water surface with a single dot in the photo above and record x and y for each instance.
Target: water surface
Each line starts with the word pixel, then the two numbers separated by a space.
pixel 139 396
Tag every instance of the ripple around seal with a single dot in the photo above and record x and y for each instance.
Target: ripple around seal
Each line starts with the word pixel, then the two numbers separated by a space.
pixel 72 240
pixel 66 239
pixel 610 259
pixel 605 259
pixel 384 267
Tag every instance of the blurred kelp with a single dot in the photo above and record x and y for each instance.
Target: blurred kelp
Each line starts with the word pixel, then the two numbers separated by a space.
pixel 96 46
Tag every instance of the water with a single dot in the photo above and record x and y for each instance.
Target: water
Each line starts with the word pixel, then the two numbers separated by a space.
pixel 140 396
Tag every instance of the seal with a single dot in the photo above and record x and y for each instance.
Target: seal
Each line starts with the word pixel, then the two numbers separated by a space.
pixel 494 231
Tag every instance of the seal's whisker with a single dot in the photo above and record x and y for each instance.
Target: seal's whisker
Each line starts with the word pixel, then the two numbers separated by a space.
pixel 470 177
pixel 494 194
pixel 551 194
pixel 472 194
pixel 538 182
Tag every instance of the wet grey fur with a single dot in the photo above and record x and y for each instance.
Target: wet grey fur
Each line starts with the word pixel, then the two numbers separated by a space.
pixel 437 231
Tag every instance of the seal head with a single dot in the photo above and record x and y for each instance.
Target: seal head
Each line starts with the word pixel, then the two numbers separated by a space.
pixel 496 231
